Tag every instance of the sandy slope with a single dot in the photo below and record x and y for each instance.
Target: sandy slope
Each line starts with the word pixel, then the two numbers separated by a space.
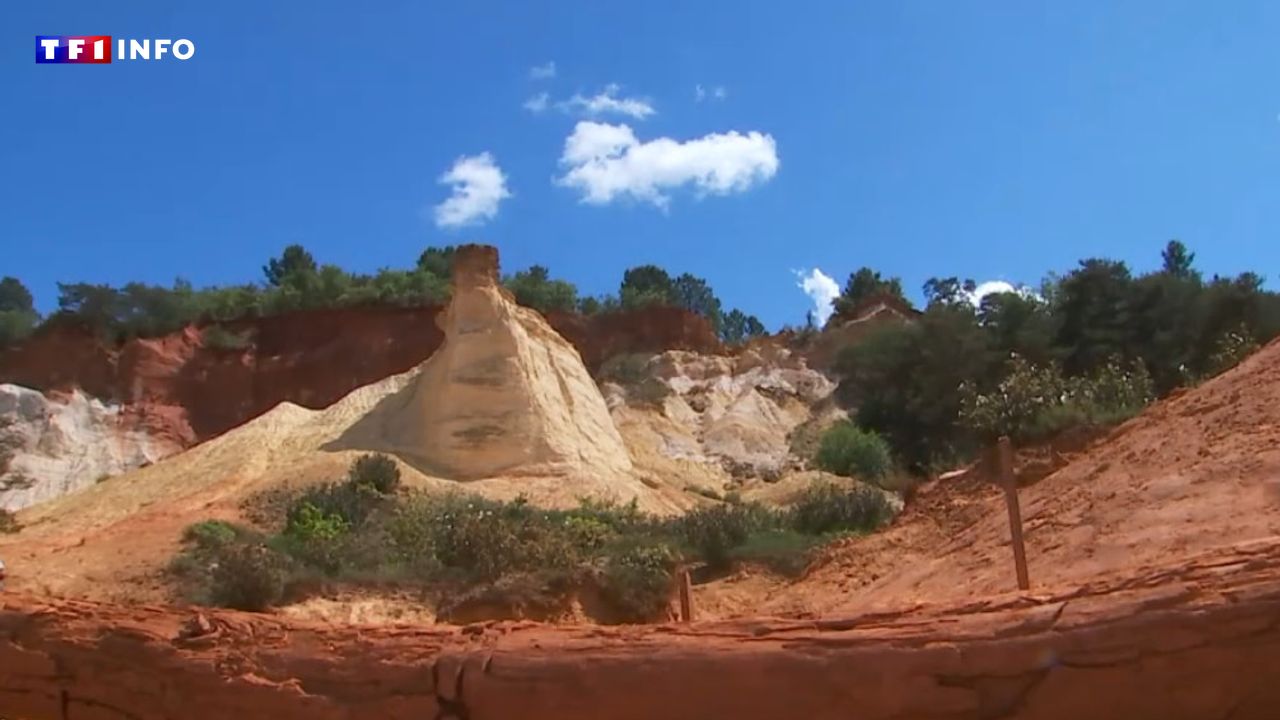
pixel 111 540
pixel 1195 475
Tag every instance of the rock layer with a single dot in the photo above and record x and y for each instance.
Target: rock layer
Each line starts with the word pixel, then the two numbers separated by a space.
pixel 1200 640
pixel 52 447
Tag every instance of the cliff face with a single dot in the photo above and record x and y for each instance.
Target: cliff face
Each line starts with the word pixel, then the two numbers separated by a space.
pixel 171 392
pixel 50 448
pixel 505 394
pixel 310 358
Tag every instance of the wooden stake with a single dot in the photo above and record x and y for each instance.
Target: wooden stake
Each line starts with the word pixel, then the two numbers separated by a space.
pixel 686 596
pixel 1010 483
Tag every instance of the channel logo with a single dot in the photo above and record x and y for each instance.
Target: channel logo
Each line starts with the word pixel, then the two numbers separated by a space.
pixel 97 49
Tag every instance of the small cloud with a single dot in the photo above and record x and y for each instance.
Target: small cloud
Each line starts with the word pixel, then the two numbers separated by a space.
pixel 478 188
pixel 701 93
pixel 543 72
pixel 537 103
pixel 822 290
pixel 995 287
pixel 607 162
pixel 607 101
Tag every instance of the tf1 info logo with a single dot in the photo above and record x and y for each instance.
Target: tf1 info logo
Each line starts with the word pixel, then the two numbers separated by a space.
pixel 96 49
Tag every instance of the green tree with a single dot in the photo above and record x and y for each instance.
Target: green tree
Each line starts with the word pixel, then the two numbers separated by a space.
pixel 864 284
pixel 294 259
pixel 905 380
pixel 646 285
pixel 1095 311
pixel 1017 323
pixel 438 261
pixel 1177 260
pixel 695 295
pixel 737 326
pixel 948 291
pixel 534 288
pixel 17 311
pixel 15 297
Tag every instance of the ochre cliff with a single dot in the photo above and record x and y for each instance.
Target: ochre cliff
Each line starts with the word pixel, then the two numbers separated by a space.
pixel 1200 640
pixel 189 391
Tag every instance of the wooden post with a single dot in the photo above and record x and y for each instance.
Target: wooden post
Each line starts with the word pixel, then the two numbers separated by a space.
pixel 1010 484
pixel 686 596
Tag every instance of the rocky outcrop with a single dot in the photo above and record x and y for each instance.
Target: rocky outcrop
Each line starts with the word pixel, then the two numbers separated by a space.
pixel 504 395
pixel 1200 640
pixel 52 447
pixel 740 413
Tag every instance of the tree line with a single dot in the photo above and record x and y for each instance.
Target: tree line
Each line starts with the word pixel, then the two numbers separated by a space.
pixel 1089 345
pixel 295 281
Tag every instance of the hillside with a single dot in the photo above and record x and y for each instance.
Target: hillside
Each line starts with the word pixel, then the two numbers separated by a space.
pixel 1195 475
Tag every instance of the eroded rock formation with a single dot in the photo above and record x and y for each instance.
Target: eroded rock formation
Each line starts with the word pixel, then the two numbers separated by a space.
pixel 504 395
pixel 52 447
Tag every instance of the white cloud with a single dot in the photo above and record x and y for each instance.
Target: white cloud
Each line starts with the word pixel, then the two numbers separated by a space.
pixel 607 101
pixel 537 103
pixel 478 187
pixel 992 287
pixel 543 72
pixel 820 288
pixel 701 93
pixel 606 162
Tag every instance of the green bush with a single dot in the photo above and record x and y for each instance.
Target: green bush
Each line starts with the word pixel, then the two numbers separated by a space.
pixel 486 539
pixel 851 451
pixel 713 532
pixel 376 471
pixel 211 534
pixel 247 577
pixel 827 508
pixel 352 502
pixel 637 581
pixel 1033 402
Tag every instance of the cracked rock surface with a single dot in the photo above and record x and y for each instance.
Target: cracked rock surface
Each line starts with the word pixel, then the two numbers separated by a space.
pixel 1198 641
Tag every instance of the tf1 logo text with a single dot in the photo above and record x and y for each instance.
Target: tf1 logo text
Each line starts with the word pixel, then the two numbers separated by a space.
pixel 96 49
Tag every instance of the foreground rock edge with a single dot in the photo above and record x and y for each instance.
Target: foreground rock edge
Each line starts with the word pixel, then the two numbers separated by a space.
pixel 1199 639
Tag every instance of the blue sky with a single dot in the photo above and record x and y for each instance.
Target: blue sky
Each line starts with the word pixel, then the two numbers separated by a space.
pixel 996 140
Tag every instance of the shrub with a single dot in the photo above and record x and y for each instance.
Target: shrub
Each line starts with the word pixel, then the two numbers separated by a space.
pixel 315 537
pixel 211 534
pixel 487 539
pixel 1034 402
pixel 1231 348
pixel 851 451
pixel 713 532
pixel 637 581
pixel 827 508
pixel 376 471
pixel 247 577
pixel 411 535
pixel 350 501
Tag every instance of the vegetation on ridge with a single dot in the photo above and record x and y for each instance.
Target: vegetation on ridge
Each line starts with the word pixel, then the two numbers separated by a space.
pixel 296 281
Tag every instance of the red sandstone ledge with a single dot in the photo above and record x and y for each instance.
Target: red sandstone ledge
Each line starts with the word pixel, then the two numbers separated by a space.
pixel 1200 640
